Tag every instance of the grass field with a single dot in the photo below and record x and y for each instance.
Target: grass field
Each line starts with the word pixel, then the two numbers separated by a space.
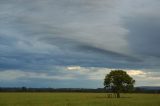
pixel 77 99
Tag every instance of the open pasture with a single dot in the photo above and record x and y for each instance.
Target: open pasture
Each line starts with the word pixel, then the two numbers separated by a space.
pixel 77 99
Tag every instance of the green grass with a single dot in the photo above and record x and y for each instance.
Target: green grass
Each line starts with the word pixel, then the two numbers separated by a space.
pixel 77 99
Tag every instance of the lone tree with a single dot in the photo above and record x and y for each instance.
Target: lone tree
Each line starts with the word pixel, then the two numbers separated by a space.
pixel 118 81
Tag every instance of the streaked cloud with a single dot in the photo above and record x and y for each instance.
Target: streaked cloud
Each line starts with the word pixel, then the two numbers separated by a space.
pixel 73 74
pixel 86 38
pixel 10 75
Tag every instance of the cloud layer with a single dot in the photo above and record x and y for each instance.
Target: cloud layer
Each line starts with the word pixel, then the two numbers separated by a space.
pixel 75 76
pixel 36 36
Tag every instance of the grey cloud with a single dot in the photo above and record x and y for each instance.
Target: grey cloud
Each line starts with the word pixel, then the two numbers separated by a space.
pixel 143 25
pixel 64 31
pixel 144 36
pixel 36 35
pixel 108 53
pixel 70 76
pixel 82 25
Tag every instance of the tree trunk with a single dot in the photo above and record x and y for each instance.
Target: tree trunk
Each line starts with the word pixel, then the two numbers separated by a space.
pixel 118 94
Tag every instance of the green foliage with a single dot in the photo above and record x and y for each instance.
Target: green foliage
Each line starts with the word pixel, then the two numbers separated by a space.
pixel 118 81
pixel 77 99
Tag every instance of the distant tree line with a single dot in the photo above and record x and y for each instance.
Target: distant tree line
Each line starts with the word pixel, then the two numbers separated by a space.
pixel 145 90
pixel 98 90
pixel 25 89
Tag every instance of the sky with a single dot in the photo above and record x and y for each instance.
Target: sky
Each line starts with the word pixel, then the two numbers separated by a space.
pixel 75 43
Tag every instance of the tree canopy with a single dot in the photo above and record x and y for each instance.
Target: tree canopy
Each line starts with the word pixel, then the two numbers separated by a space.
pixel 118 81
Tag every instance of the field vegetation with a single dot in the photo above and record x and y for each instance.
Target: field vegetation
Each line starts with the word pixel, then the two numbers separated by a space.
pixel 77 99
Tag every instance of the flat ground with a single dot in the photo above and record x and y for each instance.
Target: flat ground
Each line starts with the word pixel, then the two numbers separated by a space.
pixel 77 99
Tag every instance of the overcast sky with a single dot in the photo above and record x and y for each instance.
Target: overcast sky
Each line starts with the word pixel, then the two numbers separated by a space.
pixel 75 43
